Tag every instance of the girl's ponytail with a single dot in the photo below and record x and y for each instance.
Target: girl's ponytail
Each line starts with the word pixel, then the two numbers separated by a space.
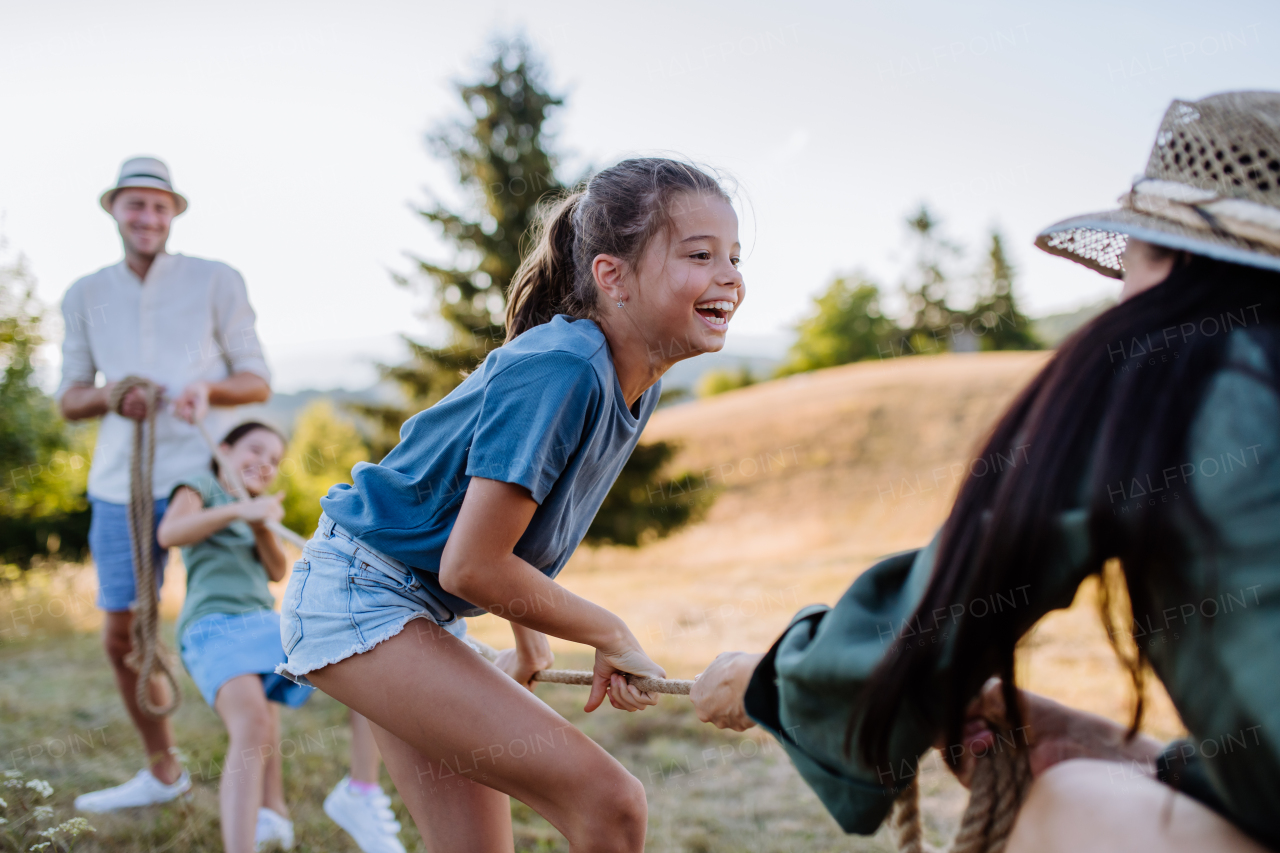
pixel 544 284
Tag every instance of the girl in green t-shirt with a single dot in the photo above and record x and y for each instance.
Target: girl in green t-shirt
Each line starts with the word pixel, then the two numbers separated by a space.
pixel 229 632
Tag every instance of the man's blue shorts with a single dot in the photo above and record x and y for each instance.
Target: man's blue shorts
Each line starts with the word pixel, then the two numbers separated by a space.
pixel 113 555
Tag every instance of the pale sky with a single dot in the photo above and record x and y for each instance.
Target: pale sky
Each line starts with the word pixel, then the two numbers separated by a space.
pixel 295 129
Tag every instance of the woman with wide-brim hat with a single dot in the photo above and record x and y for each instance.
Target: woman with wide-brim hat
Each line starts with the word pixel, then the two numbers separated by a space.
pixel 1152 458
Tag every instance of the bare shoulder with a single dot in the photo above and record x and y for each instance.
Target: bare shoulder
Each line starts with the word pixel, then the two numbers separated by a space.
pixel 1103 806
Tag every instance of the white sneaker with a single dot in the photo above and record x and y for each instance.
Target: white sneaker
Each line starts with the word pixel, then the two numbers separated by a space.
pixel 142 790
pixel 367 818
pixel 273 829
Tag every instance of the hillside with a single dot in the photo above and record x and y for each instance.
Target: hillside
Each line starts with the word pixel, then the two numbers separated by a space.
pixel 817 476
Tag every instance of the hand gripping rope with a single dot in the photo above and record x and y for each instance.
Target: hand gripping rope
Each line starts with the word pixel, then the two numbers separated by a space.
pixel 147 655
pixel 673 686
pixel 999 784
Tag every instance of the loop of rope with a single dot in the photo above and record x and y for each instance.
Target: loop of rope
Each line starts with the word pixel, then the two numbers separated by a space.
pixel 999 785
pixel 147 656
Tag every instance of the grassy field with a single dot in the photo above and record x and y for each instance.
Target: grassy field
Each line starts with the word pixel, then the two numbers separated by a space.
pixel 814 477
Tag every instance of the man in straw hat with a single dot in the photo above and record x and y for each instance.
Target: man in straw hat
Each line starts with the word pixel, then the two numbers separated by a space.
pixel 1155 431
pixel 186 324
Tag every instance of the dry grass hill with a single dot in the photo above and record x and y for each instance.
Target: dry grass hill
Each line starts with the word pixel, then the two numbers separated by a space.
pixel 815 477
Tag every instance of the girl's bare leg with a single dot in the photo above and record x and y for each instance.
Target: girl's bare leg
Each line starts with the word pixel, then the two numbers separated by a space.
pixel 455 720
pixel 273 771
pixel 1106 806
pixel 364 751
pixel 451 801
pixel 243 707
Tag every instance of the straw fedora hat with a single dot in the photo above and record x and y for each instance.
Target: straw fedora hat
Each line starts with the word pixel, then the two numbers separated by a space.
pixel 1211 187
pixel 149 172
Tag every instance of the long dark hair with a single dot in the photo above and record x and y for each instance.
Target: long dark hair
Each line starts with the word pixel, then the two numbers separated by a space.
pixel 620 210
pixel 1116 402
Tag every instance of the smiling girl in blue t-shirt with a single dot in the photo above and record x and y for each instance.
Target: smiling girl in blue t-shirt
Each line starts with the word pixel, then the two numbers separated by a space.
pixel 485 499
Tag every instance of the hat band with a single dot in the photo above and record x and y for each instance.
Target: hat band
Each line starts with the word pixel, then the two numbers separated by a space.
pixel 124 178
pixel 1204 210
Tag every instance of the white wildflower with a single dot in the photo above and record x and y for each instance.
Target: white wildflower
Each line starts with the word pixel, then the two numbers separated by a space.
pixel 42 812
pixel 75 826
pixel 12 774
pixel 3 804
pixel 40 846
pixel 41 787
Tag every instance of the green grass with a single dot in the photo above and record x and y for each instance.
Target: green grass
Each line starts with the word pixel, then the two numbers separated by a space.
pixel 61 720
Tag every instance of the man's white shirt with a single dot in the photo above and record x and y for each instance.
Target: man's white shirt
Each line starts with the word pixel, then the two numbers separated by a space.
pixel 190 321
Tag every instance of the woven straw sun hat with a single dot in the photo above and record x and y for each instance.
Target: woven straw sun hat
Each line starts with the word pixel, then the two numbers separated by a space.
pixel 1211 187
pixel 149 172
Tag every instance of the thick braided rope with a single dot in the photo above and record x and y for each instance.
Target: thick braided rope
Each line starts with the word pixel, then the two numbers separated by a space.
pixel 999 785
pixel 147 655
pixel 582 678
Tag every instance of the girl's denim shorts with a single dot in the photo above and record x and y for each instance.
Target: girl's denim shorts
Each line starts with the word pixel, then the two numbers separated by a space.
pixel 218 647
pixel 344 598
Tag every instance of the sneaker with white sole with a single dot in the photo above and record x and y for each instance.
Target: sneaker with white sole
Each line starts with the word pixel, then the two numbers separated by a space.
pixel 273 829
pixel 142 790
pixel 367 818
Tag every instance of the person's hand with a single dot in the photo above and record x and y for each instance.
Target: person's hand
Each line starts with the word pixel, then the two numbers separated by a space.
pixel 134 404
pixel 193 403
pixel 717 694
pixel 258 511
pixel 1054 732
pixel 525 660
pixel 611 669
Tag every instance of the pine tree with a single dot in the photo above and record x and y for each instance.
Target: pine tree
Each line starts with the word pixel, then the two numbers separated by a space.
pixel 927 287
pixel 500 155
pixel 995 317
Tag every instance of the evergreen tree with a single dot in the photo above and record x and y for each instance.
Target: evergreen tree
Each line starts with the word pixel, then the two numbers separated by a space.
pixel 996 317
pixel 500 154
pixel 846 325
pixel 927 288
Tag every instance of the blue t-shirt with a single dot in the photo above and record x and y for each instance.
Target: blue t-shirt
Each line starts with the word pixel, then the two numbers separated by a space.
pixel 544 411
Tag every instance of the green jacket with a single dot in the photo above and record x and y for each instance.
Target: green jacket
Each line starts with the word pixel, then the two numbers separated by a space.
pixel 1217 652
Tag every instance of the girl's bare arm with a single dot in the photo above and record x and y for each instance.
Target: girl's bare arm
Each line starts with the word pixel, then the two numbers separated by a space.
pixel 186 521
pixel 272 556
pixel 478 564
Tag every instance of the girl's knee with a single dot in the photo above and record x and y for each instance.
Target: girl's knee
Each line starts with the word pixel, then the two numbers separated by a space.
pixel 621 809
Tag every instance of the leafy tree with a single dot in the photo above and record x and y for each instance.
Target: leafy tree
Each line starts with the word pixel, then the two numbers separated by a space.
pixel 324 448
pixel 43 507
pixel 846 325
pixel 719 381
pixel 996 317
pixel 500 153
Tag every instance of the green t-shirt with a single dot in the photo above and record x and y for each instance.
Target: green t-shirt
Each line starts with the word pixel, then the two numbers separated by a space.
pixel 224 574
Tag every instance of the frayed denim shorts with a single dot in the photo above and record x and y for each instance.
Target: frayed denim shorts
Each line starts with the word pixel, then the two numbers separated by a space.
pixel 344 598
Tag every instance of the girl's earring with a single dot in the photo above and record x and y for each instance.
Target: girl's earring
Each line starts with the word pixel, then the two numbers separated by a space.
pixel 621 304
